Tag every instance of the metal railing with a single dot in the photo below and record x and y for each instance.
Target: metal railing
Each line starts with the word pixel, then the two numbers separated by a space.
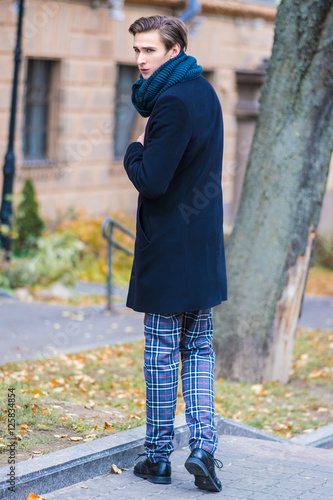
pixel 108 227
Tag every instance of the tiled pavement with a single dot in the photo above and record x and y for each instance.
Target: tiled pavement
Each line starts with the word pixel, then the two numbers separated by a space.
pixel 253 469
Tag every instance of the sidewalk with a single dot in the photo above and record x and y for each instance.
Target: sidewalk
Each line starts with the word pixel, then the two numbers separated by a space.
pixel 257 465
pixel 253 469
pixel 35 329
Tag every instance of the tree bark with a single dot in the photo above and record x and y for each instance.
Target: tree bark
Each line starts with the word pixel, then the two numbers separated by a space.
pixel 269 250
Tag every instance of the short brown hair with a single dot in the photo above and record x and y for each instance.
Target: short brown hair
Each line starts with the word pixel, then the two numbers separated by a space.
pixel 171 29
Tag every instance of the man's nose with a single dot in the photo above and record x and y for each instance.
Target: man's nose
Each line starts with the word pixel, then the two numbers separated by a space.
pixel 141 58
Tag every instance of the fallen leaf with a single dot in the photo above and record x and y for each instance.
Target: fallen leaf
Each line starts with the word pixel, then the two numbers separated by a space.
pixel 318 373
pixel 115 470
pixel 256 388
pixel 34 408
pixel 85 487
pixel 34 391
pixel 76 438
pixel 24 426
pixel 35 497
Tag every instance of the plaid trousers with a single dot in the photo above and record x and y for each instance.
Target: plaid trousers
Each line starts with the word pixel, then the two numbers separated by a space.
pixel 168 337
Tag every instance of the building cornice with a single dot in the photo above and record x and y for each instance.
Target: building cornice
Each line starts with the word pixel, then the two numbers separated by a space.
pixel 230 8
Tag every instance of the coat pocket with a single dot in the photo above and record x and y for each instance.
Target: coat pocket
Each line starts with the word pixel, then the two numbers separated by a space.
pixel 143 227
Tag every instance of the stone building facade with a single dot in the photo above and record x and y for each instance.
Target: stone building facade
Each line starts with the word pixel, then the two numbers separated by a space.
pixel 75 118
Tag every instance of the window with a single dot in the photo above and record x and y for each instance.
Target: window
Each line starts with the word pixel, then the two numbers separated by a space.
pixel 125 113
pixel 39 111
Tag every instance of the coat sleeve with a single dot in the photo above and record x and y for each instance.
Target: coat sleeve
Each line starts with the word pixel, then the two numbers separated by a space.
pixel 151 167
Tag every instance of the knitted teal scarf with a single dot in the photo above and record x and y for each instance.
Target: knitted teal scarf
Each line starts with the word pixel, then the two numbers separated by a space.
pixel 178 69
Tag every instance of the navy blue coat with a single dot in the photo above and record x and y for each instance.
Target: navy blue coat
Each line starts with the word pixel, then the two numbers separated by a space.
pixel 179 262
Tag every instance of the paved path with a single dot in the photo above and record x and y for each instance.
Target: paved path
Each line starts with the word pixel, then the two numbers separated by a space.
pixel 317 312
pixel 30 330
pixel 253 469
pixel 34 329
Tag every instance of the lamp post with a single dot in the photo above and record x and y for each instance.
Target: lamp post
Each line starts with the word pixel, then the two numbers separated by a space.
pixel 9 165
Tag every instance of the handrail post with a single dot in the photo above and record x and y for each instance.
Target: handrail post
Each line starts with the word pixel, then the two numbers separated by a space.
pixel 109 279
pixel 107 229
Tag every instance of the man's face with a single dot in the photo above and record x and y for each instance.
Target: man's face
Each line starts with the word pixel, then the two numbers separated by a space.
pixel 150 52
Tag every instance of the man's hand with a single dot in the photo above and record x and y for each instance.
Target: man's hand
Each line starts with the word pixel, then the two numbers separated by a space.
pixel 141 138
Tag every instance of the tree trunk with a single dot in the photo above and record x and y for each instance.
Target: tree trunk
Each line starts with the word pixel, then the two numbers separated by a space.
pixel 269 250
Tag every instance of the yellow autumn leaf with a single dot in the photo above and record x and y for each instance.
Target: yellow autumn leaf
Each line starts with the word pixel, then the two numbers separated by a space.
pixel 74 438
pixel 33 391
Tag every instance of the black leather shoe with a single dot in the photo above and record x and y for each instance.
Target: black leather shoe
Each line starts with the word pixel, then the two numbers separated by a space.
pixel 159 472
pixel 202 465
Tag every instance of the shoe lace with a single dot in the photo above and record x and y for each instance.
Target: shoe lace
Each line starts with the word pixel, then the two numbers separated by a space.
pixel 140 455
pixel 218 463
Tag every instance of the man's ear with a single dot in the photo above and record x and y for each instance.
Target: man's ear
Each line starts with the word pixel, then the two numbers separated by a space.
pixel 174 51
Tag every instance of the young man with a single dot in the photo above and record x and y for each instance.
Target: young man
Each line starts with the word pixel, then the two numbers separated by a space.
pixel 179 266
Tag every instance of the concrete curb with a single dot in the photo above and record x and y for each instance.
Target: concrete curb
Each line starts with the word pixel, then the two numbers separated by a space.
pixel 88 460
pixel 320 438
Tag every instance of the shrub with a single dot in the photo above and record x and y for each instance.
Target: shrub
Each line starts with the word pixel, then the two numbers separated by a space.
pixel 28 224
pixel 93 264
pixel 55 259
